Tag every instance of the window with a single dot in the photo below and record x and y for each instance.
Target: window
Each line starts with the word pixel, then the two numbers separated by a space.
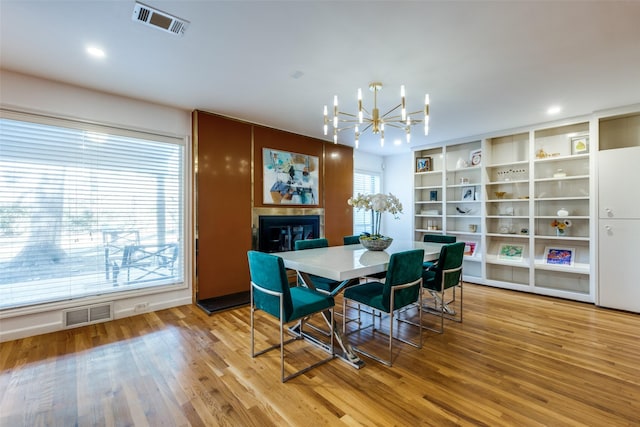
pixel 364 183
pixel 87 210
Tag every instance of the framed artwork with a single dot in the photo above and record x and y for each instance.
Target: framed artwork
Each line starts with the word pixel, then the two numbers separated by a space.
pixel 470 248
pixel 559 256
pixel 475 158
pixel 510 252
pixel 468 194
pixel 289 178
pixel 580 145
pixel 423 164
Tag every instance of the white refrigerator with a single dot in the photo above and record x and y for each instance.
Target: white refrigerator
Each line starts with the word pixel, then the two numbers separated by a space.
pixel 619 228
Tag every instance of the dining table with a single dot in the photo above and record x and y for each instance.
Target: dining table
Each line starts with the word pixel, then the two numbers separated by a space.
pixel 346 264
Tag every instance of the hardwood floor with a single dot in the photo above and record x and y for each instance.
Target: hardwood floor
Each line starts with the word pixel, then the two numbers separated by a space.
pixel 517 360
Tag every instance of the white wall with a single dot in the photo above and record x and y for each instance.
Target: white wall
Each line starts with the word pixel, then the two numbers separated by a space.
pixel 29 94
pixel 398 179
pixel 368 162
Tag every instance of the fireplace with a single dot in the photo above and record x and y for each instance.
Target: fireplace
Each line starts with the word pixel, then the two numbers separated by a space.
pixel 277 233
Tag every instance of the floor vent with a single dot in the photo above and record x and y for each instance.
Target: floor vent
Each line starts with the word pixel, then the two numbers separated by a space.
pixel 87 315
pixel 161 20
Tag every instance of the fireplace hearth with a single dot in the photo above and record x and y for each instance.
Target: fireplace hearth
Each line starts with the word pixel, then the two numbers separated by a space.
pixel 278 233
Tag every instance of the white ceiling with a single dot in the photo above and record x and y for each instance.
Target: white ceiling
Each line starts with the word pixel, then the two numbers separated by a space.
pixel 486 65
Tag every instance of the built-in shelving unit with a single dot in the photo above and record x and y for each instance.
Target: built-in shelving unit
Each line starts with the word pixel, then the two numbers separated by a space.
pixel 502 194
pixel 428 192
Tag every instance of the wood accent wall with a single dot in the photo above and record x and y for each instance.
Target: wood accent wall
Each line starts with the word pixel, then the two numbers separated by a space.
pixel 338 184
pixel 223 204
pixel 229 156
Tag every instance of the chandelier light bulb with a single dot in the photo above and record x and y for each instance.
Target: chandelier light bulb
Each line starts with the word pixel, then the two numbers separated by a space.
pixel 402 102
pixel 360 115
pixel 326 120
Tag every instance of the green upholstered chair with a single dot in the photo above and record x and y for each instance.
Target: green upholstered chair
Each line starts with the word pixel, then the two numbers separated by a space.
pixel 443 275
pixel 351 240
pixel 401 288
pixel 436 238
pixel 270 292
pixel 321 283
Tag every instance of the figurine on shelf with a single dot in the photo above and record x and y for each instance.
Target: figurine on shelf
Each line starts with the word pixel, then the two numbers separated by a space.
pixel 541 154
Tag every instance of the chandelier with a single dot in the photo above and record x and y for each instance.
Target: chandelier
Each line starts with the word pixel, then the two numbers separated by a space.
pixel 364 120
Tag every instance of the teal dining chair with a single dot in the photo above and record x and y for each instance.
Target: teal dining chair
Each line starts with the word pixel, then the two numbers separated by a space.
pixel 270 292
pixel 401 288
pixel 322 284
pixel 351 240
pixel 436 238
pixel 445 274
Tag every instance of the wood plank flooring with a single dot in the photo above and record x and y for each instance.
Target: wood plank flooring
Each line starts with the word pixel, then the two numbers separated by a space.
pixel 517 360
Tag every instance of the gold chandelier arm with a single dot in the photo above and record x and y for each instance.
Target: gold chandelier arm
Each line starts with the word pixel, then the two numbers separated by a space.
pixel 398 125
pixel 392 110
pixel 347 114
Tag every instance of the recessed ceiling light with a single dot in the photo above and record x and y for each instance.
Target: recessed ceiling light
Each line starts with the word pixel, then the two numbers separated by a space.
pixel 554 110
pixel 95 52
pixel 397 142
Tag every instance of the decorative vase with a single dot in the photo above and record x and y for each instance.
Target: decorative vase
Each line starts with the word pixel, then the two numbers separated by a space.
pixel 560 232
pixel 376 244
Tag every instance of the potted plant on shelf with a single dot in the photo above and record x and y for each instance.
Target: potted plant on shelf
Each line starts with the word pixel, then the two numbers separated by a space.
pixel 377 204
pixel 561 226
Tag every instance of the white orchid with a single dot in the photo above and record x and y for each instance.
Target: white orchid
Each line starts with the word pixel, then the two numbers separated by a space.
pixel 377 204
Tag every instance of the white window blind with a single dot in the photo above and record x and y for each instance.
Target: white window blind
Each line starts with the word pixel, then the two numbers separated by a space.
pixel 86 213
pixel 364 183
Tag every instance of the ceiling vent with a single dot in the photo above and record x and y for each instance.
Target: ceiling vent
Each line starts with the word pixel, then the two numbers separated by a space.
pixel 158 19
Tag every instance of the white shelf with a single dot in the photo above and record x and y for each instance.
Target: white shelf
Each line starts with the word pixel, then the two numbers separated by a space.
pixel 558 217
pixel 507 164
pixel 543 199
pixel 577 268
pixel 466 233
pixel 464 201
pixel 493 259
pixel 516 235
pixel 563 178
pixel 428 187
pixel 554 159
pixel 567 238
pixel 507 200
pixel 470 168
pixel 468 184
pixel 512 181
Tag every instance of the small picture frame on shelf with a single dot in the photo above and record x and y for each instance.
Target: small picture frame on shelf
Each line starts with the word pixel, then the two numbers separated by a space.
pixel 511 252
pixel 475 157
pixel 559 256
pixel 468 194
pixel 580 145
pixel 470 248
pixel 423 164
pixel 433 195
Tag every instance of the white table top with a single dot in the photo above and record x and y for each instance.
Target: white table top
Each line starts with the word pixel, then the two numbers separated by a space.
pixel 351 261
